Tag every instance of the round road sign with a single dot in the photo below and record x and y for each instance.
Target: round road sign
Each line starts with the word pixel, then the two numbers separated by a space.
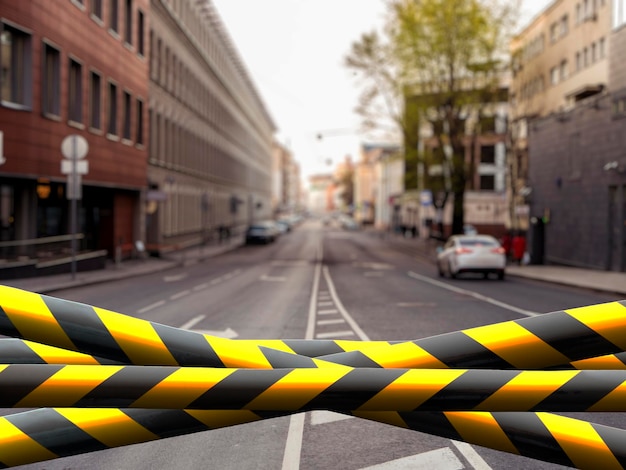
pixel 74 146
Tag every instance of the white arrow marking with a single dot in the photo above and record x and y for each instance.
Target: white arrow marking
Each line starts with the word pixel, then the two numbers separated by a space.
pixel 227 333
pixel 192 322
pixel 438 459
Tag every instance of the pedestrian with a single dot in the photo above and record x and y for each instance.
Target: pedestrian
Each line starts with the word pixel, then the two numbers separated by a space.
pixel 518 247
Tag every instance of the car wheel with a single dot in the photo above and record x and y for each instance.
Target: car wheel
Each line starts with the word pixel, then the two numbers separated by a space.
pixel 453 275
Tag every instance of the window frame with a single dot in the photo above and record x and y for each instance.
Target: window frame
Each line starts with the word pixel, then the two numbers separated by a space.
pixel 75 113
pixel 127 117
pixel 25 101
pixel 95 113
pixel 112 110
pixel 51 105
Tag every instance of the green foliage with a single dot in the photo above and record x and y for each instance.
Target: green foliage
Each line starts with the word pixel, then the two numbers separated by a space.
pixel 439 61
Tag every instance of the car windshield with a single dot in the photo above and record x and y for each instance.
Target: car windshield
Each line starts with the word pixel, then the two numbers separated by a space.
pixel 478 242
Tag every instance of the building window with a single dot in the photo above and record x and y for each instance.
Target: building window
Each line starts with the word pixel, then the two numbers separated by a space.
pixel 601 50
pixel 128 22
pixel 140 33
pixel 112 110
pixel 579 64
pixel 487 182
pixel 585 57
pixel 96 9
pixel 554 75
pixel 126 114
pixel 564 25
pixel 75 92
pixel 51 81
pixel 114 16
pixel 16 58
pixel 95 100
pixel 488 154
pixel 139 123
pixel 564 71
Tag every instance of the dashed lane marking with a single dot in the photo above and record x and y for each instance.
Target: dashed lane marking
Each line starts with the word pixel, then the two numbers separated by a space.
pixel 335 334
pixel 331 322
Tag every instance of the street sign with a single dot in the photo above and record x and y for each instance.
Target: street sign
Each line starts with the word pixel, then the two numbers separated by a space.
pixel 426 197
pixel 74 146
pixel 74 187
pixel 82 167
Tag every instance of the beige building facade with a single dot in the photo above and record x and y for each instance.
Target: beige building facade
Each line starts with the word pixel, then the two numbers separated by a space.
pixel 558 60
pixel 210 157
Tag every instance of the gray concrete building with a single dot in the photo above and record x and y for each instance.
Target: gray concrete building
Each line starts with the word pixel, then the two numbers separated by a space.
pixel 210 153
pixel 577 170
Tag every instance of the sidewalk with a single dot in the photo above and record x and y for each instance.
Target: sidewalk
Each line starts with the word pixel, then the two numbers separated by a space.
pixel 606 281
pixel 126 269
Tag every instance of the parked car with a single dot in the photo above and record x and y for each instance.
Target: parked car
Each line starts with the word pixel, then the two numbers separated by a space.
pixel 471 254
pixel 262 232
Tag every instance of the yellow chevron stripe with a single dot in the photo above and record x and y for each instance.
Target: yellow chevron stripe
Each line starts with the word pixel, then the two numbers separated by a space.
pixel 482 429
pixel 68 385
pixel 19 448
pixel 296 389
pixel 526 389
pixel 246 356
pixel 32 318
pixel 580 442
pixel 404 356
pixel 616 397
pixel 110 426
pixel 609 362
pixel 351 345
pixel 395 394
pixel 516 345
pixel 53 355
pixel 608 320
pixel 221 418
pixel 183 385
pixel 136 338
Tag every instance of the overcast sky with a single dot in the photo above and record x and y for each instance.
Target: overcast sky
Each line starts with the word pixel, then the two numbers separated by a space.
pixel 294 51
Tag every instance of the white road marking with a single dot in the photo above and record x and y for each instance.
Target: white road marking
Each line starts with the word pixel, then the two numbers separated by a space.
pixel 177 277
pixel 293 446
pixel 324 417
pixel 201 287
pixel 192 322
pixel 471 455
pixel 216 280
pixel 331 322
pixel 265 277
pixel 416 304
pixel 151 306
pixel 479 463
pixel 475 295
pixel 438 459
pixel 327 312
pixel 180 294
pixel 227 333
pixel 324 304
pixel 335 334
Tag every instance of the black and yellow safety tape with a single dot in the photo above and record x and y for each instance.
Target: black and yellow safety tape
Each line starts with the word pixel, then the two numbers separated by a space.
pixel 561 431
pixel 552 339
pixel 339 389
pixel 27 438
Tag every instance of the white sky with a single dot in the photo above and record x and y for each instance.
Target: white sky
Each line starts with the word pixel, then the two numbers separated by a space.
pixel 294 51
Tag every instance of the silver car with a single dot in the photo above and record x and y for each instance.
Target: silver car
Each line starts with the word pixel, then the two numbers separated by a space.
pixel 471 254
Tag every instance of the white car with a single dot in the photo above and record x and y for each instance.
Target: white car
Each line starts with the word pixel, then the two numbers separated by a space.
pixel 471 254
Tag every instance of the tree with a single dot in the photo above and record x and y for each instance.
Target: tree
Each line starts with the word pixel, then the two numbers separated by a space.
pixel 444 59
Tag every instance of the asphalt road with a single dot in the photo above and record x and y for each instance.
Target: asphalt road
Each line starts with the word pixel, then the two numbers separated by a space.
pixel 319 282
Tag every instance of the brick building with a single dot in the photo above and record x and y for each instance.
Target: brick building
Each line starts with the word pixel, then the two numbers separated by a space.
pixel 73 67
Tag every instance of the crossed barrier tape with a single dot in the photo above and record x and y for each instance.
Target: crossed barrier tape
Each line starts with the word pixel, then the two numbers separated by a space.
pixel 594 330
